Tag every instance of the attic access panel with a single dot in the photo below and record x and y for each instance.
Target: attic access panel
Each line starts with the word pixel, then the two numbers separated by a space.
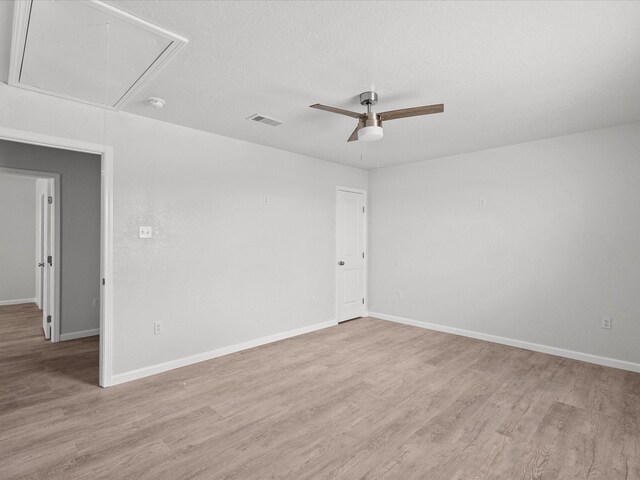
pixel 86 51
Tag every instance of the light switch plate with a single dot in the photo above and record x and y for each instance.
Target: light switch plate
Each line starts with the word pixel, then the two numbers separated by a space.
pixel 145 232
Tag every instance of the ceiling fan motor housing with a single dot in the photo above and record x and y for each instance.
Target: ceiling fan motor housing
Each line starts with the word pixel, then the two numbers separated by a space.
pixel 372 129
pixel 372 119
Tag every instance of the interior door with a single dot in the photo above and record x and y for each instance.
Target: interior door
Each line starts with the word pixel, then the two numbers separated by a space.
pixel 47 276
pixel 350 235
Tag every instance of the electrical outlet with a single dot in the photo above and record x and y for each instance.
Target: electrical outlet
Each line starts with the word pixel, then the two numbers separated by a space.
pixel 145 232
pixel 400 294
pixel 606 322
pixel 96 302
pixel 157 328
pixel 482 202
pixel 314 300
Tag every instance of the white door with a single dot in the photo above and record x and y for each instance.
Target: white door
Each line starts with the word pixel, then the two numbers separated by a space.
pixel 350 249
pixel 48 270
pixel 42 258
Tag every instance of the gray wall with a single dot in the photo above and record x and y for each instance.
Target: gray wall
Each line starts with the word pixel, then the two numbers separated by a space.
pixel 556 247
pixel 80 226
pixel 17 237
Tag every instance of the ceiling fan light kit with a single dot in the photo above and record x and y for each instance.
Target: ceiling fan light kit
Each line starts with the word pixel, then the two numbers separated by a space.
pixel 370 123
pixel 370 134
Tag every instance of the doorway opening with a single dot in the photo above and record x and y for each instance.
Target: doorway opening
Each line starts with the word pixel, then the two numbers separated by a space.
pixel 102 280
pixel 31 244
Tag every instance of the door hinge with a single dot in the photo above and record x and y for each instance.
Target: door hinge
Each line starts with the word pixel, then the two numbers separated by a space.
pixel 48 318
pixel 50 260
pixel 362 209
pixel 103 281
pixel 362 254
pixel 363 301
pixel 50 199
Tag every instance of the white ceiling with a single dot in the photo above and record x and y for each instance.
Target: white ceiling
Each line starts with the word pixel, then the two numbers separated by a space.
pixel 507 72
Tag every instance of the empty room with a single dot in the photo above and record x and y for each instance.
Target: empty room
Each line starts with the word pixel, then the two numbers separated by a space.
pixel 319 240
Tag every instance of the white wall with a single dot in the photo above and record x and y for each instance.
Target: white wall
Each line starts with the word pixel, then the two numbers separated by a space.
pixel 17 238
pixel 222 267
pixel 556 247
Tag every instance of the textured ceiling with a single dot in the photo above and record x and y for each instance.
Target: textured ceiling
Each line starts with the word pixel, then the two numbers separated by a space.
pixel 507 72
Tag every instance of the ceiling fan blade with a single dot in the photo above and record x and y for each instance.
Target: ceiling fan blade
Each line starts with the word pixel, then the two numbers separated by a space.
pixel 411 112
pixel 340 111
pixel 354 135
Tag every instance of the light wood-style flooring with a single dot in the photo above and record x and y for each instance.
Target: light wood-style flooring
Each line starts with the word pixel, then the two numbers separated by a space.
pixel 368 399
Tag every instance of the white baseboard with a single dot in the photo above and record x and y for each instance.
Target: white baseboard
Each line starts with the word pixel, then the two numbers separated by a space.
pixel 81 334
pixel 536 347
pixel 17 301
pixel 201 357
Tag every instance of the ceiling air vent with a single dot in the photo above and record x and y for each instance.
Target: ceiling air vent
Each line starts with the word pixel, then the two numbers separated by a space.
pixel 87 51
pixel 272 122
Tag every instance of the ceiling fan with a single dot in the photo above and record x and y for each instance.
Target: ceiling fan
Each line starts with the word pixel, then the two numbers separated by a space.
pixel 370 123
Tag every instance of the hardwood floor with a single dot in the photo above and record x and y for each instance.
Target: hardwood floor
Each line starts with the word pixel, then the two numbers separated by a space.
pixel 367 399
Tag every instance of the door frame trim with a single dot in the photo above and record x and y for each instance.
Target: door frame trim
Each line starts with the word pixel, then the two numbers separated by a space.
pixel 106 230
pixel 339 189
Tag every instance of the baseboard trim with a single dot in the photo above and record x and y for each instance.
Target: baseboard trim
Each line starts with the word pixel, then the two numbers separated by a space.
pixel 17 301
pixel 81 334
pixel 512 342
pixel 201 357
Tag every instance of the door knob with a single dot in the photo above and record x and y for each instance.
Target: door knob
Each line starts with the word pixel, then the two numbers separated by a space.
pixel 41 264
pixel 340 262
